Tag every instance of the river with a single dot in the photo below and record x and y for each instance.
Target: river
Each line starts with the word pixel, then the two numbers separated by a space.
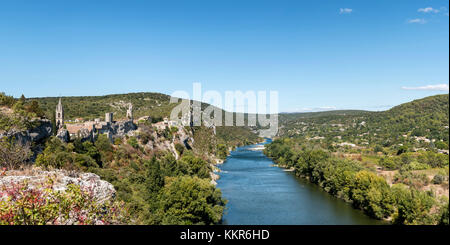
pixel 260 194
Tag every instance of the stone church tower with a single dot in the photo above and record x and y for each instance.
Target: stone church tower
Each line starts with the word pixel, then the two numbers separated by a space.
pixel 59 115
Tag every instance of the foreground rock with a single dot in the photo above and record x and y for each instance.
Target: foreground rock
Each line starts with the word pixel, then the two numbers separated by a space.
pixel 100 189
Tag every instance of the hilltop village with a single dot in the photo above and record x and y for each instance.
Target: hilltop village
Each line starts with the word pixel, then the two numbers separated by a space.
pixel 128 127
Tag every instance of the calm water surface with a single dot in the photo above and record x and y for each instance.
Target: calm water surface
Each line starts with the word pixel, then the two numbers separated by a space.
pixel 260 194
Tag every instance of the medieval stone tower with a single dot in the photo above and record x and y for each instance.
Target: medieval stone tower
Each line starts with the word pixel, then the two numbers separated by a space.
pixel 130 112
pixel 59 115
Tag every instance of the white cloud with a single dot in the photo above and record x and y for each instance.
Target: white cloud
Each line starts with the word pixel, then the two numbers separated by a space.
pixel 428 10
pixel 437 87
pixel 417 21
pixel 345 11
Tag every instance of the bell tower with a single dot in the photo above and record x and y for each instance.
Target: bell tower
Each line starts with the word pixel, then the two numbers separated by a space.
pixel 59 115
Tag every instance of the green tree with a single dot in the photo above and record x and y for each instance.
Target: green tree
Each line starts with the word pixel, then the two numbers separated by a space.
pixel 190 200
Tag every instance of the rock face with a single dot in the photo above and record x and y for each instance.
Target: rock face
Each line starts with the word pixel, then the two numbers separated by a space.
pixel 35 135
pixel 122 128
pixel 101 190
pixel 63 135
pixel 85 135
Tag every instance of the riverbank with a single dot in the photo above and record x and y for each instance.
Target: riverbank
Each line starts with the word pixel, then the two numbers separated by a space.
pixel 359 186
pixel 260 194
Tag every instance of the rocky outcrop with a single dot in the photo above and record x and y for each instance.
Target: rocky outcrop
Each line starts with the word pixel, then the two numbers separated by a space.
pixel 34 135
pixel 63 135
pixel 101 190
pixel 122 128
pixel 85 135
pixel 42 132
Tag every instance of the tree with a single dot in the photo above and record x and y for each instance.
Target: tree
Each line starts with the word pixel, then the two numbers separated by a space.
pixel 371 193
pixel 190 200
pixel 155 177
pixel 412 206
pixel 195 166
pixel 33 107
pixel 13 155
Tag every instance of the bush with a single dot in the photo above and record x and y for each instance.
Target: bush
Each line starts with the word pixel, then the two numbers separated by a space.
pixel 133 142
pixel 180 148
pixel 222 151
pixel 388 163
pixel 84 161
pixel 117 141
pixel 441 145
pixel 438 179
pixel 444 219
pixel 7 101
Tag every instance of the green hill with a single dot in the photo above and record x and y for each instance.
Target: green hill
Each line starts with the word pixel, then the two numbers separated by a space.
pixel 427 117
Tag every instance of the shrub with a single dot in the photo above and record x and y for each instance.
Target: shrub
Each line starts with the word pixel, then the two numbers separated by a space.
pixel 180 148
pixel 84 161
pixel 444 219
pixel 117 141
pixel 7 101
pixel 133 142
pixel 441 145
pixel 438 179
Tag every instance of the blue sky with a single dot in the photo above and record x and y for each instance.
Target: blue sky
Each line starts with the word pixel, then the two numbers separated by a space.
pixel 318 55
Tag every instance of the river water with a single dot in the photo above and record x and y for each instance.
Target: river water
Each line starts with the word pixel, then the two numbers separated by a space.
pixel 260 194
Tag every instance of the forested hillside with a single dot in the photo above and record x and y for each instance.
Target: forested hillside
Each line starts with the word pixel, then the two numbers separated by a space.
pixel 393 165
pixel 405 124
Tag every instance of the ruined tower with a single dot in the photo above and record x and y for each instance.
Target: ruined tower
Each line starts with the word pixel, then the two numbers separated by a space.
pixel 59 115
pixel 109 117
pixel 130 112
